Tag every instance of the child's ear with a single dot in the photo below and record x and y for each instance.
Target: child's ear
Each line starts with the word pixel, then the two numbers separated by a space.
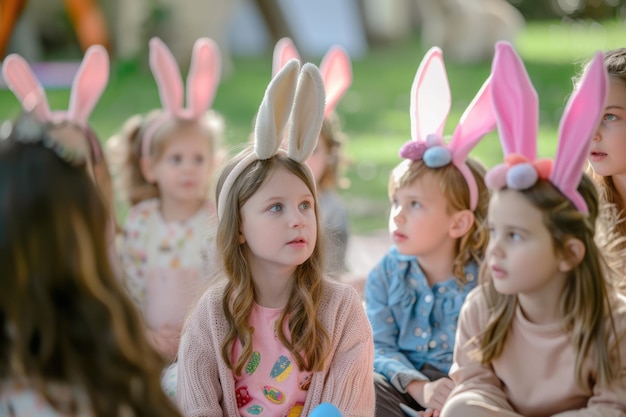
pixel 462 222
pixel 574 252
pixel 145 164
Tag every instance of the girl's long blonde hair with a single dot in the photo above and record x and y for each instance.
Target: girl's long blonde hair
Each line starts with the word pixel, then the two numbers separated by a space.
pixel 309 340
pixel 586 302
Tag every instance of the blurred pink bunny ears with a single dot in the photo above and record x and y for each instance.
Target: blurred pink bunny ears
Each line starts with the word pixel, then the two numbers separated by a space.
pixel 430 105
pixel 202 81
pixel 516 107
pixel 89 83
pixel 293 94
pixel 335 68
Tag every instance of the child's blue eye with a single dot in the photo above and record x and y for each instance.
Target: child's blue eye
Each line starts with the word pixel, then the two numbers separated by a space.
pixel 276 208
pixel 415 204
pixel 199 159
pixel 305 205
pixel 514 236
pixel 610 117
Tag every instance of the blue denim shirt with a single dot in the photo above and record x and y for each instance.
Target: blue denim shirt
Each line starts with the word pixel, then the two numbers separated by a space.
pixel 413 324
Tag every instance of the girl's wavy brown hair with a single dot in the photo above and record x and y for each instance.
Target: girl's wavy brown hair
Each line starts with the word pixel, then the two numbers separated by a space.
pixel 64 316
pixel 309 340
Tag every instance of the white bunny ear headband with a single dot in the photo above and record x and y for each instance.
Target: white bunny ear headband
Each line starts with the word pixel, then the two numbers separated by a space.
pixel 293 94
pixel 335 68
pixel 430 105
pixel 89 83
pixel 202 81
pixel 516 107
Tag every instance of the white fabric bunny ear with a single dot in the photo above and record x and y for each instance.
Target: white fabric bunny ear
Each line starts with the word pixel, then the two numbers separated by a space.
pixel 202 82
pixel 515 104
pixel 293 94
pixel 335 68
pixel 430 106
pixel 89 84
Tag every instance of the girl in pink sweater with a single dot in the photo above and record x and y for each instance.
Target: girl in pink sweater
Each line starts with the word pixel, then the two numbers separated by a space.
pixel 276 339
pixel 544 334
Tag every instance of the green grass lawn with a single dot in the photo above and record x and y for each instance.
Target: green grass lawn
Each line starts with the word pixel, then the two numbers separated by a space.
pixel 375 111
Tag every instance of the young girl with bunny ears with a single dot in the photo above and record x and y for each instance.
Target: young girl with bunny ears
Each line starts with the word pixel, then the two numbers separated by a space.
pixel 328 160
pixel 414 294
pixel 72 124
pixel 543 334
pixel 70 338
pixel 170 161
pixel 276 338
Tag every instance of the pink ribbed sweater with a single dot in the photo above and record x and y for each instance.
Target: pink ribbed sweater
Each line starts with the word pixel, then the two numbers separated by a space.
pixel 206 385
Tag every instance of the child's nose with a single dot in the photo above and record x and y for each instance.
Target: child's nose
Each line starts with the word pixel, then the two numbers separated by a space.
pixel 397 214
pixel 297 220
pixel 596 136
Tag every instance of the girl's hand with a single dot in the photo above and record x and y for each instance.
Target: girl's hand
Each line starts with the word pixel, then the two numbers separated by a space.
pixel 431 394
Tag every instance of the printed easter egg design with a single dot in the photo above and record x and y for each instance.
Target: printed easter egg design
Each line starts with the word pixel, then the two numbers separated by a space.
pixel 273 394
pixel 255 410
pixel 281 369
pixel 242 396
pixel 295 410
pixel 305 382
pixel 253 363
pixel 165 246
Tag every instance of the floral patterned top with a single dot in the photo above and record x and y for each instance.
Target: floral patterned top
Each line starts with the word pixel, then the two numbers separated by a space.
pixel 167 265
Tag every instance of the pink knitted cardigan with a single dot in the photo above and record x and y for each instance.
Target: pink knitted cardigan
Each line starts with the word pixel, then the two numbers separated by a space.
pixel 206 386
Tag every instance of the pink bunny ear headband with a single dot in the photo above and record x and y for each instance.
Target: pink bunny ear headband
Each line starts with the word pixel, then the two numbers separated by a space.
pixel 89 83
pixel 516 108
pixel 293 94
pixel 335 68
pixel 202 81
pixel 430 105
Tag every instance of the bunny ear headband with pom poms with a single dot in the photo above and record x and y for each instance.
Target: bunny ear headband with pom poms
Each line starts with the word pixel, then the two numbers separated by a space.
pixel 89 83
pixel 202 81
pixel 292 94
pixel 335 68
pixel 430 104
pixel 516 107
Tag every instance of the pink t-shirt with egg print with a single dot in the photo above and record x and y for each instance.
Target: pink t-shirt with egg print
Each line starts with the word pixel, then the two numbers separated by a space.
pixel 271 383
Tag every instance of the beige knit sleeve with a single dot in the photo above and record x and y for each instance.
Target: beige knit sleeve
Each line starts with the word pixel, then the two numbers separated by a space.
pixel 474 381
pixel 199 392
